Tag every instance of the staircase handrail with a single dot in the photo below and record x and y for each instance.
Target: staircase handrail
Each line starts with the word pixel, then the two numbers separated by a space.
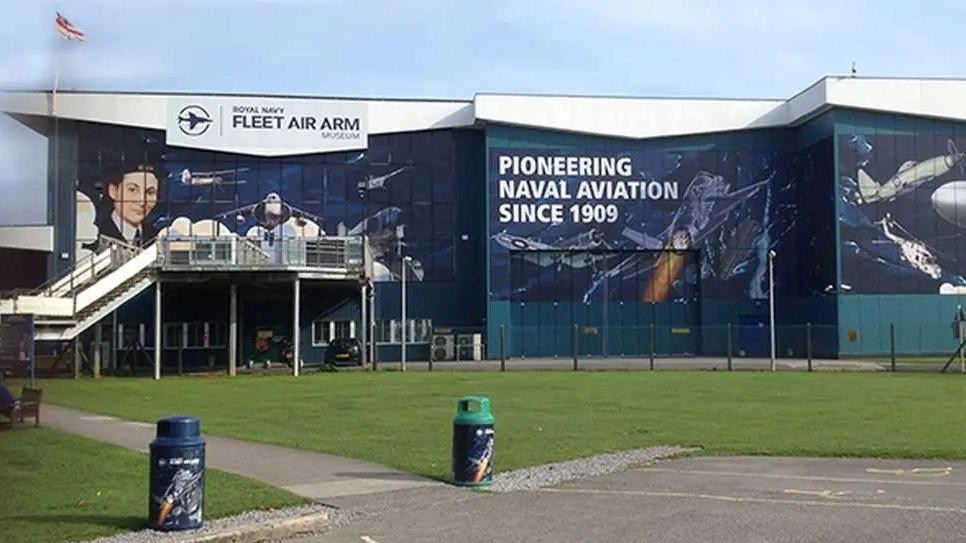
pixel 118 252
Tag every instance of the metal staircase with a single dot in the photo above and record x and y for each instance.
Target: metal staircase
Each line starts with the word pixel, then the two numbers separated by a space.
pixel 66 306
pixel 100 283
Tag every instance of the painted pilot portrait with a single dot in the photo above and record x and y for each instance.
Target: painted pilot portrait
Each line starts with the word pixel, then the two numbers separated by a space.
pixel 131 193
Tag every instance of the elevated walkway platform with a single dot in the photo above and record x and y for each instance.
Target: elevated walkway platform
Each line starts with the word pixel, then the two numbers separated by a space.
pixel 102 282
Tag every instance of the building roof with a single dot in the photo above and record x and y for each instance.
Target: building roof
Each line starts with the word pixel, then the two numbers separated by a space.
pixel 626 117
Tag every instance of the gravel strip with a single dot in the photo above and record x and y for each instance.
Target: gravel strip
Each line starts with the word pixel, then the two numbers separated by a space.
pixel 602 464
pixel 251 517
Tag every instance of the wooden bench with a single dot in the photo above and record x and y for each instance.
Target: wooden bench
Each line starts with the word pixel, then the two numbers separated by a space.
pixel 28 405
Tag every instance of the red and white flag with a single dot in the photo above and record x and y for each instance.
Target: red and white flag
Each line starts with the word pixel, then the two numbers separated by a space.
pixel 68 30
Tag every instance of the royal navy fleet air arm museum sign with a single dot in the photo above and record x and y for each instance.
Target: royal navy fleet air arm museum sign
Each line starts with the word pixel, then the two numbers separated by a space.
pixel 266 126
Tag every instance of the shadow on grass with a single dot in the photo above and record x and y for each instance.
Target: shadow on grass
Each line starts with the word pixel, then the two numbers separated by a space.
pixel 120 522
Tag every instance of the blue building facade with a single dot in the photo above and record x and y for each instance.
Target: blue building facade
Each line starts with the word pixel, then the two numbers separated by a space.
pixel 554 238
pixel 413 194
pixel 733 197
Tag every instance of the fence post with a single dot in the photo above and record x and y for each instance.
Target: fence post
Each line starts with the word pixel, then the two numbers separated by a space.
pixel 430 368
pixel 502 347
pixel 892 344
pixel 574 344
pixel 808 344
pixel 96 363
pixel 375 348
pixel 730 347
pixel 181 340
pixel 650 335
pixel 77 356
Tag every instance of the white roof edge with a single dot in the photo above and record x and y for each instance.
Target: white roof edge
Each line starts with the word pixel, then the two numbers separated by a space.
pixel 386 116
pixel 613 116
pixel 30 237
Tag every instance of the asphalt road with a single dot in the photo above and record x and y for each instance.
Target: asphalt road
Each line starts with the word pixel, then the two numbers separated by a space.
pixel 720 499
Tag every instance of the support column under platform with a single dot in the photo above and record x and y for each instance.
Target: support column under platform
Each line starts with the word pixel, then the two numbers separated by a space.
pixel 259 320
pixel 157 329
pixel 232 329
pixel 296 308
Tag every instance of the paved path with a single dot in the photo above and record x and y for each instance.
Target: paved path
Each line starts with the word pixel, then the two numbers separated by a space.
pixel 721 499
pixel 312 475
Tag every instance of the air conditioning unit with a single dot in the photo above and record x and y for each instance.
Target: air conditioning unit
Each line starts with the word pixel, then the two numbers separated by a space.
pixel 444 347
pixel 469 347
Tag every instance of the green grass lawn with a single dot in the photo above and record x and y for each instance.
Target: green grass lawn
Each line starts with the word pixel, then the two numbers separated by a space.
pixel 403 419
pixel 58 487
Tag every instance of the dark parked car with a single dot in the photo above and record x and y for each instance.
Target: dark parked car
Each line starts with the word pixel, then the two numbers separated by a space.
pixel 344 352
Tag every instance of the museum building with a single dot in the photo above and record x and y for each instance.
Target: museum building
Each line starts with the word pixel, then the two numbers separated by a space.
pixel 206 232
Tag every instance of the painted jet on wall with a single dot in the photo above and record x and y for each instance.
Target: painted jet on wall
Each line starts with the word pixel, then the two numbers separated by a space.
pixel 557 253
pixel 270 213
pixel 910 176
pixel 707 203
pixel 379 181
pixel 384 237
pixel 212 177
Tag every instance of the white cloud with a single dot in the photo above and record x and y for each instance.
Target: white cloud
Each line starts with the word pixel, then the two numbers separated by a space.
pixel 184 226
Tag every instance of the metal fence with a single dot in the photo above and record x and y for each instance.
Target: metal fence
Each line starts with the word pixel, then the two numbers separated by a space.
pixel 198 253
pixel 794 341
pixel 804 347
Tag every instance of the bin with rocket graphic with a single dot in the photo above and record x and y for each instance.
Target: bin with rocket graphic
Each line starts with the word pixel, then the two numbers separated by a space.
pixel 473 442
pixel 177 484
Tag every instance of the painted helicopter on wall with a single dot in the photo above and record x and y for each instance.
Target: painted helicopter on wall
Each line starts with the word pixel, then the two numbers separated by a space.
pixel 919 255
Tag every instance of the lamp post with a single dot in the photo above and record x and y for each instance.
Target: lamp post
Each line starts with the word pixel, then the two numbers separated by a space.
pixel 771 305
pixel 405 263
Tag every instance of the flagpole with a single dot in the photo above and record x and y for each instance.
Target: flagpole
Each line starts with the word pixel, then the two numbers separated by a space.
pixel 56 187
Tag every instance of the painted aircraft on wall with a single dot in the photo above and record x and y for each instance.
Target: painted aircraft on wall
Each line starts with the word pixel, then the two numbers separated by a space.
pixel 919 255
pixel 949 201
pixel 212 177
pixel 706 205
pixel 704 208
pixel 384 236
pixel 379 181
pixel 562 252
pixel 910 176
pixel 270 213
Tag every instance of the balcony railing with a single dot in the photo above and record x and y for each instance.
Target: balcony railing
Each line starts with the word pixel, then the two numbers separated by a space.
pixel 340 254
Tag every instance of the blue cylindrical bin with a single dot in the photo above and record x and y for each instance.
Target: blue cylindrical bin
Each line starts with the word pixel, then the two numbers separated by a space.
pixel 176 494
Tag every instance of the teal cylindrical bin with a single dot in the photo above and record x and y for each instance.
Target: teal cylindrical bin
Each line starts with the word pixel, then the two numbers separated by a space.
pixel 472 442
pixel 177 484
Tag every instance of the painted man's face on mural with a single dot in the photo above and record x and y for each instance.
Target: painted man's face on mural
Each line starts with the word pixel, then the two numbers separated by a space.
pixel 135 196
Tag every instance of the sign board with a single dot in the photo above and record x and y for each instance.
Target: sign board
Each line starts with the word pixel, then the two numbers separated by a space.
pixel 266 126
pixel 16 343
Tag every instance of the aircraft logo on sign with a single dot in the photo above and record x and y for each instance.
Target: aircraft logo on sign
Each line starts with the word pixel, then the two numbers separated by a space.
pixel 193 120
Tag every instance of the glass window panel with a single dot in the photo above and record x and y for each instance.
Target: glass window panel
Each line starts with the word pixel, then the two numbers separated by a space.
pixel 444 221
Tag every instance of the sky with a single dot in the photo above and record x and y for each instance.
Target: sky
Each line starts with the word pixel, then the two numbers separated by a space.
pixel 453 49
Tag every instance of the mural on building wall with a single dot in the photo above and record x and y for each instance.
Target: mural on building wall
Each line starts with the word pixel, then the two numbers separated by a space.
pixel 903 211
pixel 399 192
pixel 647 226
